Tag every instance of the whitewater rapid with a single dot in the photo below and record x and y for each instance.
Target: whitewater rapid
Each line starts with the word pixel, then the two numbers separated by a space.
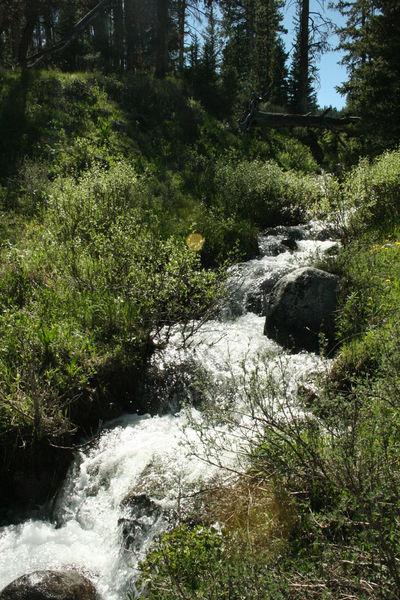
pixel 159 462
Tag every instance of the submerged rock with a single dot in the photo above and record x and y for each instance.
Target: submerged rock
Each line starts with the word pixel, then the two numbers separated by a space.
pixel 143 513
pixel 301 308
pixel 50 585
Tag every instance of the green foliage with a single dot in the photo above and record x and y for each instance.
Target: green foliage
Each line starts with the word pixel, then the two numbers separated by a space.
pixel 200 562
pixel 264 192
pixel 65 120
pixel 89 285
pixel 373 190
pixel 187 554
pixel 226 237
pixel 371 43
pixel 296 156
pixel 371 293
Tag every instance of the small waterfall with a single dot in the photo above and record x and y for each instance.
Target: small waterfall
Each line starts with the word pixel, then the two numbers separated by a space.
pixel 143 472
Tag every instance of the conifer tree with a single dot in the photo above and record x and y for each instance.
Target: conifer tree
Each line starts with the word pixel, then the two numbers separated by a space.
pixel 302 96
pixel 268 71
pixel 371 40
pixel 254 46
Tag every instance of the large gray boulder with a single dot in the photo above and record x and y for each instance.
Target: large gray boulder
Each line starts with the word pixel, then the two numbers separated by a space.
pixel 301 308
pixel 50 585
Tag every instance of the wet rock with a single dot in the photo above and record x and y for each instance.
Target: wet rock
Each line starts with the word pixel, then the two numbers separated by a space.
pixel 301 308
pixel 289 243
pixel 142 504
pixel 278 240
pixel 273 246
pixel 50 585
pixel 268 284
pixel 294 232
pixel 254 302
pixel 142 514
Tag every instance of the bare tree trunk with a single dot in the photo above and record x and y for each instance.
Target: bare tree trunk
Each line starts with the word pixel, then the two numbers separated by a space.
pixel 181 32
pixel 25 41
pixel 119 58
pixel 162 38
pixel 304 57
pixel 277 120
pixel 130 35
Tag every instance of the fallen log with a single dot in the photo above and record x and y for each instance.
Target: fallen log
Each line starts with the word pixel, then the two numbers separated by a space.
pixel 277 120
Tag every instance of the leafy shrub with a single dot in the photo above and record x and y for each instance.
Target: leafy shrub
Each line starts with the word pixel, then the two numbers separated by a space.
pixel 296 156
pixel 373 190
pixel 371 290
pixel 88 287
pixel 263 192
pixel 187 554
pixel 203 563
pixel 227 238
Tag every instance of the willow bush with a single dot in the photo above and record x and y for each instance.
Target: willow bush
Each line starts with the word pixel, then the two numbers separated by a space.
pixel 372 191
pixel 264 193
pixel 92 284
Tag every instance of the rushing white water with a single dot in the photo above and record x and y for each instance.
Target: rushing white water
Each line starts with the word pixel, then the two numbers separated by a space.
pixel 142 471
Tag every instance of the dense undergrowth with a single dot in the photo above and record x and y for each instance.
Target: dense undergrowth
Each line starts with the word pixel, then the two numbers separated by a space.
pixel 102 180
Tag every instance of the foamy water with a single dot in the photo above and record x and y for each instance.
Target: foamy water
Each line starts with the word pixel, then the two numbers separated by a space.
pixel 160 456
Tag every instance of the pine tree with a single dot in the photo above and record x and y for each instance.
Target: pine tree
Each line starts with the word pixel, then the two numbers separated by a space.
pixel 254 47
pixel 268 70
pixel 371 40
pixel 204 66
pixel 302 95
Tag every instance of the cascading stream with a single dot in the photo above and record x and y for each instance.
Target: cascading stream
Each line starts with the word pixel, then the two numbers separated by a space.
pixel 143 471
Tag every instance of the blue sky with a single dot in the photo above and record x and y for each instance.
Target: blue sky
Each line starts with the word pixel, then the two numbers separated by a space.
pixel 331 73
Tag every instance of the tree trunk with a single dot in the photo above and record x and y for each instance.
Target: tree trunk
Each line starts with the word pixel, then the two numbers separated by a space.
pixel 302 104
pixel 277 120
pixel 131 35
pixel 119 58
pixel 162 38
pixel 181 32
pixel 31 18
